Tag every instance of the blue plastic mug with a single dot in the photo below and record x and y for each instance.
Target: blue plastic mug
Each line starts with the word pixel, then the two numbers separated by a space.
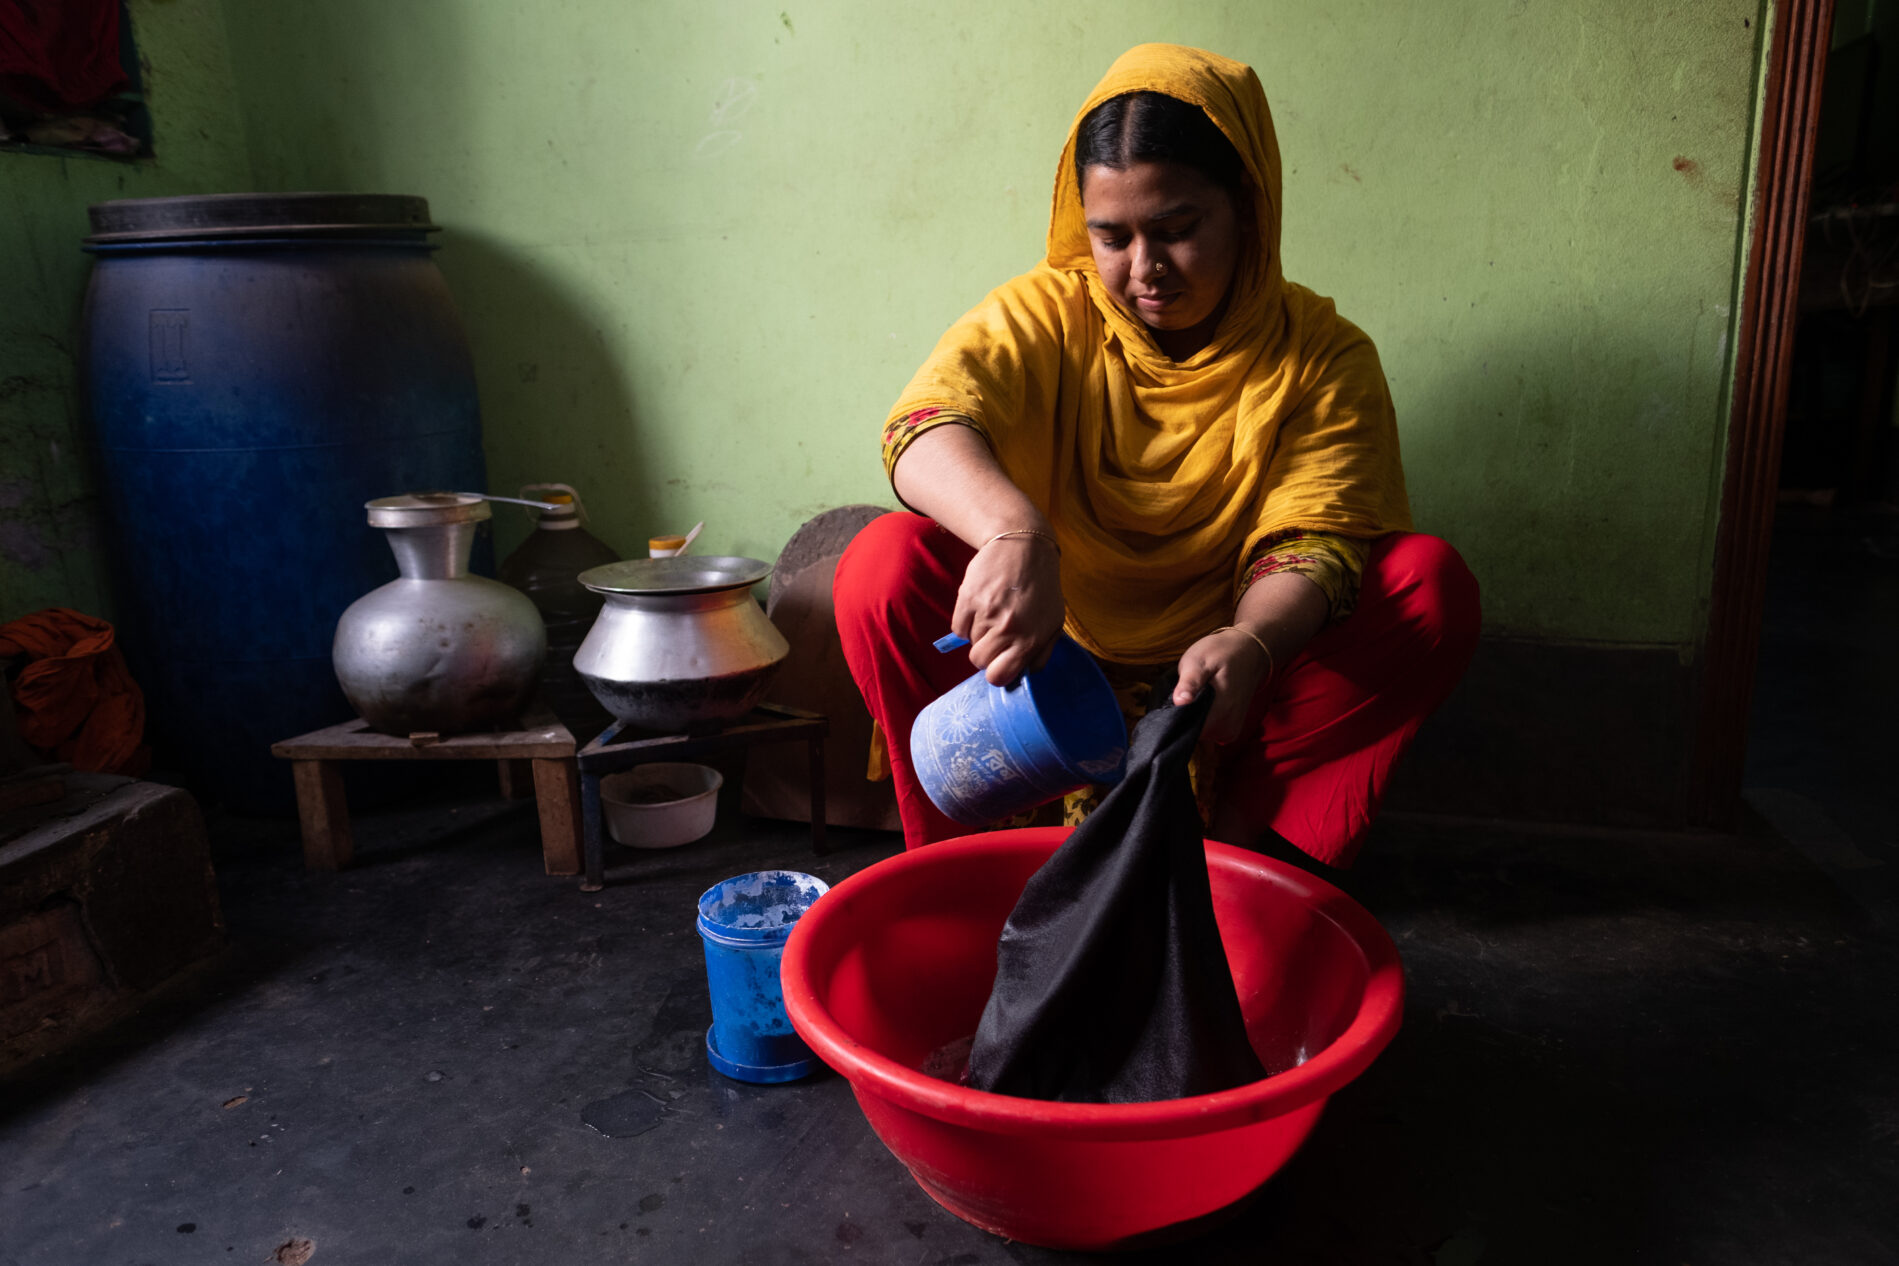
pixel 744 923
pixel 984 753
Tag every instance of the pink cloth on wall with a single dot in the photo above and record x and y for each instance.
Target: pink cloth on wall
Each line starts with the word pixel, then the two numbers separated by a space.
pixel 57 55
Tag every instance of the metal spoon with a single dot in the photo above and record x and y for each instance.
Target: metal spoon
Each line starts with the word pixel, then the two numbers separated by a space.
pixel 513 501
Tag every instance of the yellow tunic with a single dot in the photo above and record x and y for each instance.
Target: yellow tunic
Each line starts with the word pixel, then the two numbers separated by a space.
pixel 1164 480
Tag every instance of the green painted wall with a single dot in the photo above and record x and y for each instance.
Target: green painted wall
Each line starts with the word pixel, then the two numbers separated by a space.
pixel 700 247
pixel 49 549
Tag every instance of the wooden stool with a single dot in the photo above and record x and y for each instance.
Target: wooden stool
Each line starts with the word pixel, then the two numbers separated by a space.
pixel 542 751
pixel 612 752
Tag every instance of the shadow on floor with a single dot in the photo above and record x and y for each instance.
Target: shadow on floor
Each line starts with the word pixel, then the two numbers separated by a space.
pixel 1674 1049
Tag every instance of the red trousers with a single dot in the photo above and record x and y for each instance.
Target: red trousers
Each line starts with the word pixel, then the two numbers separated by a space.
pixel 1323 734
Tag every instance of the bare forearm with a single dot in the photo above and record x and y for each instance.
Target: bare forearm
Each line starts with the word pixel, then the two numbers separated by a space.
pixel 949 474
pixel 1283 610
pixel 1009 605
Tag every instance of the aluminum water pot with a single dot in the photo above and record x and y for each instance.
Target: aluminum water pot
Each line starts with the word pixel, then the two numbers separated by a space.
pixel 680 642
pixel 438 649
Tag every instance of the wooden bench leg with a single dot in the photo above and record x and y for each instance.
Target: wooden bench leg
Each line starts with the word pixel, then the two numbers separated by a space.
pixel 323 813
pixel 517 781
pixel 557 795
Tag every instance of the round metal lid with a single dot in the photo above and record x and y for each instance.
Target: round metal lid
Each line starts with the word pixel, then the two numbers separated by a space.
pixel 426 509
pixel 244 215
pixel 690 574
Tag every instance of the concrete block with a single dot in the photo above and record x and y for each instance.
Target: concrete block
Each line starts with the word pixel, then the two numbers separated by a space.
pixel 104 895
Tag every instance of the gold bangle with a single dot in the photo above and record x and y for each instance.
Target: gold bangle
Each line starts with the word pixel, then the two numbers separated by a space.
pixel 1266 650
pixel 1047 536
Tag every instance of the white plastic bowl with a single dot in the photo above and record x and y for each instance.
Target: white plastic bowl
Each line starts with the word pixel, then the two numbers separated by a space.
pixel 662 805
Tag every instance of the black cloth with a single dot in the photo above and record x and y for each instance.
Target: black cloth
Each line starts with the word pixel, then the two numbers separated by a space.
pixel 1112 985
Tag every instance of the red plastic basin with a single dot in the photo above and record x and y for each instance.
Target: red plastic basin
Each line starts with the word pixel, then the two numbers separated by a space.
pixel 897 961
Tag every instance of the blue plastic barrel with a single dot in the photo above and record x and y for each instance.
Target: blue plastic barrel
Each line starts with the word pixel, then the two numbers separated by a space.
pixel 984 753
pixel 257 367
pixel 745 923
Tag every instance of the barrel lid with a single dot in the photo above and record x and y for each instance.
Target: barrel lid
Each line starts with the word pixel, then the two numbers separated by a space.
pixel 426 509
pixel 246 215
pixel 690 574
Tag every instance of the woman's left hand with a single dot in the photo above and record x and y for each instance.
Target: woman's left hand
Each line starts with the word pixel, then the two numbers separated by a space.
pixel 1233 666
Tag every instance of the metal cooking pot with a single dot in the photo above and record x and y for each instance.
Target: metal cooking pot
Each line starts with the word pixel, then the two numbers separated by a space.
pixel 438 649
pixel 680 641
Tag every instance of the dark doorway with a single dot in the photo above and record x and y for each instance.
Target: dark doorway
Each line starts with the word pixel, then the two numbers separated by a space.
pixel 1821 746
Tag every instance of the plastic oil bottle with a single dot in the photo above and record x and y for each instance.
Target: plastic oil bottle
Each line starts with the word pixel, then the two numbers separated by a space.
pixel 546 568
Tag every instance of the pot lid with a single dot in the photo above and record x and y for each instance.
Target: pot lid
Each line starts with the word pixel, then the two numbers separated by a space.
pixel 689 574
pixel 426 509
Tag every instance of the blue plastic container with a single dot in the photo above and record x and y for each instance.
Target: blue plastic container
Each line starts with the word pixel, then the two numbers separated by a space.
pixel 258 367
pixel 744 923
pixel 984 753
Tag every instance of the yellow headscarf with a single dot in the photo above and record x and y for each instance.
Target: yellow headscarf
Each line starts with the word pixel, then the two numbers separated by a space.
pixel 1160 478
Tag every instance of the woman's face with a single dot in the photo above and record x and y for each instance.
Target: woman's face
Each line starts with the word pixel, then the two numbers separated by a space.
pixel 1166 242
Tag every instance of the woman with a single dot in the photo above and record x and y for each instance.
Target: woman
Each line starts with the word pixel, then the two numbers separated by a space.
pixel 1157 442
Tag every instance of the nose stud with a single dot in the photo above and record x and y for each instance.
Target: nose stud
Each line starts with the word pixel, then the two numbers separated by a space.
pixel 1160 269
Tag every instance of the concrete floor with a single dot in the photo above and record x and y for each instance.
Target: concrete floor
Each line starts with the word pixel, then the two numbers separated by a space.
pixel 1664 1048
pixel 1648 1049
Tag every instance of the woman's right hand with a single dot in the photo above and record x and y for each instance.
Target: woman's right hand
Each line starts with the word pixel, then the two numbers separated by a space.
pixel 1010 606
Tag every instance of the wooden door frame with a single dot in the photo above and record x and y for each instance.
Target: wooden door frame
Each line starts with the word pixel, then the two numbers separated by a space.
pixel 1790 114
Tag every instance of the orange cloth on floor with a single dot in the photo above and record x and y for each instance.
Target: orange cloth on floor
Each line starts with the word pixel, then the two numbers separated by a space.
pixel 76 699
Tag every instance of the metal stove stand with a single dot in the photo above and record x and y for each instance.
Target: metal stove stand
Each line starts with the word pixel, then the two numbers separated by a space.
pixel 619 747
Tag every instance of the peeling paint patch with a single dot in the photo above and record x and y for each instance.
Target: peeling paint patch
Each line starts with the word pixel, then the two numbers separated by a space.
pixel 716 143
pixel 20 384
pixel 21 543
